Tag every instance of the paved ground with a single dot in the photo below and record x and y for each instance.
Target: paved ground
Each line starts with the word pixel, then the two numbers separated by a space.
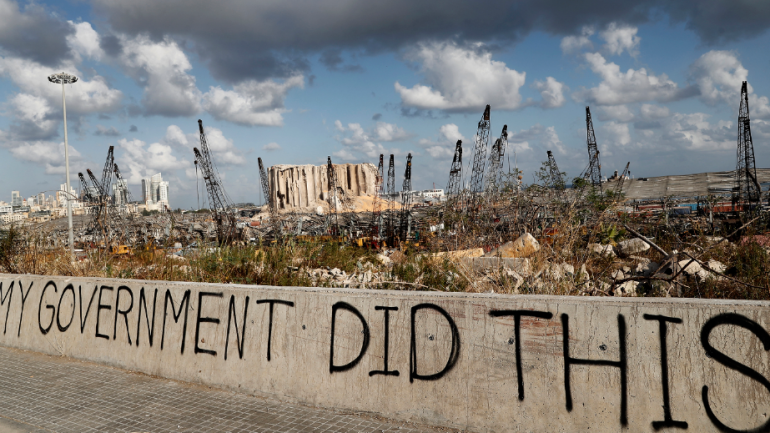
pixel 41 393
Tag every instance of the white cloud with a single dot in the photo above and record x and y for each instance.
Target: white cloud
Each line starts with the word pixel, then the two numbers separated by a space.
pixel 383 131
pixel 461 79
pixel 141 161
pixel 619 38
pixel 444 147
pixel 574 44
pixel 252 102
pixel 221 148
pixel 162 69
pixel 620 113
pixel 544 137
pixel 652 112
pixel 551 91
pixel 719 76
pixel 367 143
pixel 615 134
pixel 49 154
pixel 618 88
pixel 270 147
pixel 83 97
pixel 84 42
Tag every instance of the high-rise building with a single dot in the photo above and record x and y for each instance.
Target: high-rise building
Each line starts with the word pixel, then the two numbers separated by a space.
pixel 62 195
pixel 155 191
pixel 120 191
pixel 16 199
pixel 40 200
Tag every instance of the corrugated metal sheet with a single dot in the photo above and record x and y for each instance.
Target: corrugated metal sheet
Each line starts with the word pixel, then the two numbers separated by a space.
pixel 687 185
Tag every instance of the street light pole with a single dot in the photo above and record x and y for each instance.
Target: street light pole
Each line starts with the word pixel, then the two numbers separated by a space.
pixel 64 78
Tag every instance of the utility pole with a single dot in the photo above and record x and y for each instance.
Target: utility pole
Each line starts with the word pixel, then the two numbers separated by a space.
pixel 64 78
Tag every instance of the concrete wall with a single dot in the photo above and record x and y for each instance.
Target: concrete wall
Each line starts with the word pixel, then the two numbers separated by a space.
pixel 457 360
pixel 302 186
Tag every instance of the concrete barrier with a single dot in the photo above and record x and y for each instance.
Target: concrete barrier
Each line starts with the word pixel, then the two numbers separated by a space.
pixel 473 361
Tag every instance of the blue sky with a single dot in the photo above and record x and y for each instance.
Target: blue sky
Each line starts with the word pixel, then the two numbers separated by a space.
pixel 292 84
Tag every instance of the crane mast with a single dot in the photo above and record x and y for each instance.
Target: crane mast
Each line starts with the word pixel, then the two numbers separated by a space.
pixel 265 184
pixel 376 225
pixel 391 200
pixel 406 198
pixel 479 154
pixel 220 203
pixel 332 196
pixel 594 170
pixel 555 177
pixel 747 187
pixel 496 160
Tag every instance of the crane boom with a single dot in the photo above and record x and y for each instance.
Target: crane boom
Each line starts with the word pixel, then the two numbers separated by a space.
pixel 220 203
pixel 594 170
pixel 265 184
pixel 406 198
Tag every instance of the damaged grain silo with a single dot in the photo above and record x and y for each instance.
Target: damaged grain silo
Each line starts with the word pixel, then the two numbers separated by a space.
pixel 306 186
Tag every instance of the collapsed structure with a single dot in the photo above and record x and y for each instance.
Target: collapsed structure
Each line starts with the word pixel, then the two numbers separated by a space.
pixel 307 186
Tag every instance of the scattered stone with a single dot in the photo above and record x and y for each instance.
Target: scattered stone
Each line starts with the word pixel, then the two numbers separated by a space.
pixel 632 246
pixel 602 250
pixel 716 266
pixel 618 275
pixel 524 246
pixel 714 239
pixel 646 269
pixel 626 289
pixel 515 279
pixel 385 260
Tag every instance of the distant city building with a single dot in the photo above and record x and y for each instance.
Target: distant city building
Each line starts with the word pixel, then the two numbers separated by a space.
pixel 120 192
pixel 40 200
pixel 155 192
pixel 62 195
pixel 16 199
pixel 6 209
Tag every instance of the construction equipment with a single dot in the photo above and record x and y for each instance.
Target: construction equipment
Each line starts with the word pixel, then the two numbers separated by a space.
pixel 556 180
pixel 406 197
pixel 479 154
pixel 391 200
pixel 120 250
pixel 494 170
pixel 747 190
pixel 376 225
pixel 123 197
pixel 594 171
pixel 265 184
pixel 332 195
pixel 221 205
pixel 455 172
pixel 619 185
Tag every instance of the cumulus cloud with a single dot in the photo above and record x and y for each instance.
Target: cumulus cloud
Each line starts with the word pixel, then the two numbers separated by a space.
pixel 444 146
pixel 103 131
pixel 551 92
pixel 653 112
pixel 620 113
pixel 250 40
pixel 33 34
pixel 538 135
pixel 359 142
pixel 141 160
pixel 271 147
pixel 85 42
pixel 615 134
pixel 618 88
pixel 161 67
pixel 251 103
pixel 222 149
pixel 619 38
pixel 574 44
pixel 719 75
pixel 461 79
pixel 48 154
